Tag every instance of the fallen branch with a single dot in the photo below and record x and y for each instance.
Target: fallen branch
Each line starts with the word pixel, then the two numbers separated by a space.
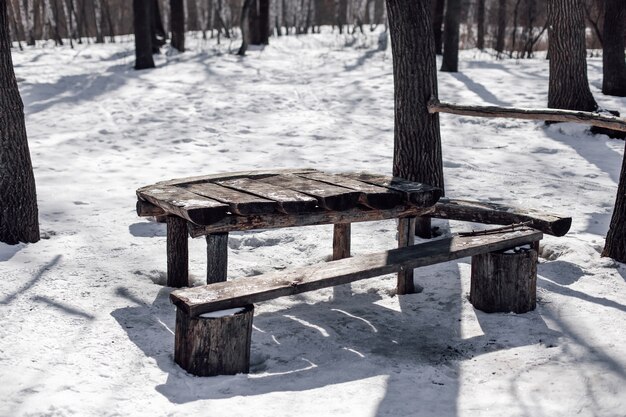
pixel 554 115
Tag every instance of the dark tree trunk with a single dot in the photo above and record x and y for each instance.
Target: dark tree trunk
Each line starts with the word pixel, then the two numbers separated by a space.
pixel 450 62
pixel 417 141
pixel 480 23
pixel 18 199
pixel 613 59
pixel 568 85
pixel 438 9
pixel 615 245
pixel 243 24
pixel 501 33
pixel 177 24
pixel 156 27
pixel 143 37
pixel 514 31
pixel 341 13
pixel 259 22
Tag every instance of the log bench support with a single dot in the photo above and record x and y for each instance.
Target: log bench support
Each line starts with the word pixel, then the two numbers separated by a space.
pixel 341 241
pixel 504 281
pixel 209 346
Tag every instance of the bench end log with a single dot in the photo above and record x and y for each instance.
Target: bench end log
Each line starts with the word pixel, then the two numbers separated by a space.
pixel 215 345
pixel 504 281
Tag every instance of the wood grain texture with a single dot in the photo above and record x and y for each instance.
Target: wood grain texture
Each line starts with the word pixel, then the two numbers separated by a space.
pixel 328 196
pixel 233 175
pixel 585 117
pixel 237 293
pixel 177 252
pixel 145 209
pixel 372 196
pixel 492 213
pixel 239 202
pixel 415 193
pixel 406 237
pixel 504 282
pixel 319 217
pixel 213 346
pixel 217 257
pixel 182 203
pixel 289 201
pixel 341 241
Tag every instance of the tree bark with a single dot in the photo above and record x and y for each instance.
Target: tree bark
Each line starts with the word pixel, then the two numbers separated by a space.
pixel 615 245
pixel 143 37
pixel 613 58
pixel 177 24
pixel 568 85
pixel 438 10
pixel 450 61
pixel 259 22
pixel 243 24
pixel 18 199
pixel 417 140
pixel 480 23
pixel 501 33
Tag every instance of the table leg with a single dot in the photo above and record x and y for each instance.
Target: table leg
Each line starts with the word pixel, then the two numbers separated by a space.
pixel 177 252
pixel 217 257
pixel 341 241
pixel 406 237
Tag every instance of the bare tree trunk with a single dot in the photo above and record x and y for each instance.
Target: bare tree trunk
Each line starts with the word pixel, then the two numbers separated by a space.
pixel 613 59
pixel 480 23
pixel 417 141
pixel 568 85
pixel 18 200
pixel 97 11
pixel 177 24
pixel 615 245
pixel 450 61
pixel 501 33
pixel 245 10
pixel 514 31
pixel 438 13
pixel 143 35
pixel 28 16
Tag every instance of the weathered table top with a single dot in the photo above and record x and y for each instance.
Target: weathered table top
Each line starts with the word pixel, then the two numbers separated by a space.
pixel 208 200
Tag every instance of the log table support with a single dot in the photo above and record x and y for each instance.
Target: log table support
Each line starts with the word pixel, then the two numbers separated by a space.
pixel 504 281
pixel 177 252
pixel 406 237
pixel 217 257
pixel 341 241
pixel 214 344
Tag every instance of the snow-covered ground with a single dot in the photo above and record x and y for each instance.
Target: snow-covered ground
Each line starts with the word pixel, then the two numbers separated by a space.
pixel 86 322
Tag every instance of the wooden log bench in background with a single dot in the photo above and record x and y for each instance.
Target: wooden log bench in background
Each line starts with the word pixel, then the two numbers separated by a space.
pixel 220 344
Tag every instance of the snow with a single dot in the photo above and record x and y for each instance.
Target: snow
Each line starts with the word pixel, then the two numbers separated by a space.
pixel 222 313
pixel 87 327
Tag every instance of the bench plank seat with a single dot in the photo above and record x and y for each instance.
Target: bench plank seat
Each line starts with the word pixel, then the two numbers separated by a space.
pixel 244 291
pixel 416 193
pixel 493 213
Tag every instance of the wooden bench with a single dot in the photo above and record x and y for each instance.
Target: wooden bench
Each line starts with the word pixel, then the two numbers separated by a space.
pixel 209 344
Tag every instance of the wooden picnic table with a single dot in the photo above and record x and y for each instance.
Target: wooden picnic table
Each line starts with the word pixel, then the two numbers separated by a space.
pixel 214 205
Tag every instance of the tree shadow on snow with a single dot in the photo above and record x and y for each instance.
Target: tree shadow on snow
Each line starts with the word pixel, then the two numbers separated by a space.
pixel 415 351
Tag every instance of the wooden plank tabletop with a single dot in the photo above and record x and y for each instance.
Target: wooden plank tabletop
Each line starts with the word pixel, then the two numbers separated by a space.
pixel 205 200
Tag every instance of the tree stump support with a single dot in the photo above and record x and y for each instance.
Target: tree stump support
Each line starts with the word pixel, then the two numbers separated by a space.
pixel 177 252
pixel 217 257
pixel 406 237
pixel 214 344
pixel 504 281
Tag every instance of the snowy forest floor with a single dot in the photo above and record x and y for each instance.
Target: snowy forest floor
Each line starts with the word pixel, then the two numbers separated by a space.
pixel 86 322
